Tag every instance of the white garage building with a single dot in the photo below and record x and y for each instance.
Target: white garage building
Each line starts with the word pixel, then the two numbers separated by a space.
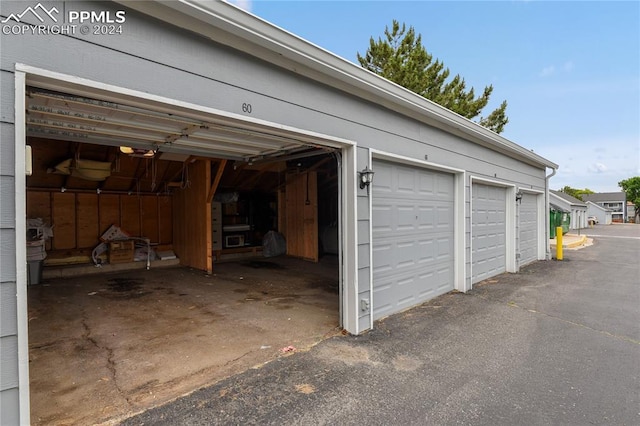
pixel 450 204
pixel 577 208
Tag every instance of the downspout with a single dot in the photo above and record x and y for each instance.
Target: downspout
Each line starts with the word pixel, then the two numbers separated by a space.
pixel 546 213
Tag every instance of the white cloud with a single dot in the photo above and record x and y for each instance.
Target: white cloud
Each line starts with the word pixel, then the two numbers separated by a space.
pixel 242 4
pixel 547 71
pixel 567 67
pixel 593 163
pixel 597 168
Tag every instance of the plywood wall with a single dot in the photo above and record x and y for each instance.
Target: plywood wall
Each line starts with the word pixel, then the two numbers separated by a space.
pixel 192 219
pixel 79 219
pixel 301 224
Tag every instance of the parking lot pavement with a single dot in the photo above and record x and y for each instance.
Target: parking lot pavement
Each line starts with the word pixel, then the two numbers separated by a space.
pixel 621 230
pixel 557 343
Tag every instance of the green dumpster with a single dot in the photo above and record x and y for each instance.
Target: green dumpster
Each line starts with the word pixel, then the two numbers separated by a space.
pixel 558 217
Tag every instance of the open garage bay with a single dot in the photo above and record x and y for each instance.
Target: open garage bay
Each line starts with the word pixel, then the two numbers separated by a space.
pixel 107 345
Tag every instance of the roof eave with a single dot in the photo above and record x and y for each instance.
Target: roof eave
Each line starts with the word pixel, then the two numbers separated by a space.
pixel 227 24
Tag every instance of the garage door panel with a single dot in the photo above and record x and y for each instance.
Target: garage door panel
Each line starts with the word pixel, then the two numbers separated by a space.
pixel 427 185
pixel 444 186
pixel 488 223
pixel 427 218
pixel 528 229
pixel 383 180
pixel 398 257
pixel 412 236
pixel 444 249
pixel 382 218
pixel 399 291
pixel 406 218
pixel 445 218
pixel 396 294
pixel 406 182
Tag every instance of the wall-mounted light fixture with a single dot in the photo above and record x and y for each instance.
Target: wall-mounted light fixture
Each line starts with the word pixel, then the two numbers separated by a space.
pixel 366 177
pixel 519 197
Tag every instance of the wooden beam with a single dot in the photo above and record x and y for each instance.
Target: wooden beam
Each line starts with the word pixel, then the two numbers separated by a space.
pixel 185 163
pixel 110 156
pixel 216 180
pixel 294 176
pixel 136 176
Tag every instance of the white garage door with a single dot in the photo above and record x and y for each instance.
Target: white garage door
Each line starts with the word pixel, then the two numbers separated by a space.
pixel 488 254
pixel 528 229
pixel 412 236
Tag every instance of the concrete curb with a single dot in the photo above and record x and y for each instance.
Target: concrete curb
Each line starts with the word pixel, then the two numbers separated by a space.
pixel 579 242
pixel 571 241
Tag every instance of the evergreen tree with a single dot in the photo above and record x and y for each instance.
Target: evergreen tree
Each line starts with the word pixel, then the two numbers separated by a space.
pixel 400 57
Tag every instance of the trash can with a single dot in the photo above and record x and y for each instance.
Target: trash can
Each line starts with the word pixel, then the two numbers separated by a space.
pixel 558 217
pixel 552 223
pixel 34 271
pixel 35 260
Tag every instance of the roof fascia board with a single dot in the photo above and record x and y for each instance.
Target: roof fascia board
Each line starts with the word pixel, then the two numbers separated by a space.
pixel 567 198
pixel 229 25
pixel 566 201
pixel 589 203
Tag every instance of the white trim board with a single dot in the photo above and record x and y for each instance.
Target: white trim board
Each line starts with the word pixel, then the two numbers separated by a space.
pixel 21 250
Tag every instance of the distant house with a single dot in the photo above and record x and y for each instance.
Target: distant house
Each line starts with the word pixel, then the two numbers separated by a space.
pixel 576 208
pixel 603 215
pixel 614 201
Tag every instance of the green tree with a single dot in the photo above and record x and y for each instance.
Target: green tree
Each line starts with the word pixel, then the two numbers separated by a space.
pixel 576 193
pixel 401 58
pixel 631 187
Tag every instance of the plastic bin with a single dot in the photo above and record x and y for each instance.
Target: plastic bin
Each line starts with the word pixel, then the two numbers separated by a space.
pixel 552 223
pixel 34 271
pixel 558 217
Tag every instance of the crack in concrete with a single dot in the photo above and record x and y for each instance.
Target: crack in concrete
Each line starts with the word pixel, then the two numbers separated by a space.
pixel 111 365
pixel 238 358
pixel 566 321
pixel 577 324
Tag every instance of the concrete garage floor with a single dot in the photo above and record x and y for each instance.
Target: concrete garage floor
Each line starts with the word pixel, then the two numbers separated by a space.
pixel 103 347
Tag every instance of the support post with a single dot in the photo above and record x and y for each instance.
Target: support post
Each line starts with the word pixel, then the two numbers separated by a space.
pixel 559 255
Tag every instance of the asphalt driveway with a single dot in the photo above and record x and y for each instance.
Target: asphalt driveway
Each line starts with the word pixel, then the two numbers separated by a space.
pixel 558 343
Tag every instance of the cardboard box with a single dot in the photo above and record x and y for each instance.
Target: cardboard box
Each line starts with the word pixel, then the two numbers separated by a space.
pixel 121 251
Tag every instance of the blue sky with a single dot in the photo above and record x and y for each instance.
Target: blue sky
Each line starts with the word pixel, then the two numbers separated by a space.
pixel 570 70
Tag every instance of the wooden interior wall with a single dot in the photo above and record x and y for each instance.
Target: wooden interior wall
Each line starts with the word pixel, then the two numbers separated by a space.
pixel 79 219
pixel 282 210
pixel 192 219
pixel 301 224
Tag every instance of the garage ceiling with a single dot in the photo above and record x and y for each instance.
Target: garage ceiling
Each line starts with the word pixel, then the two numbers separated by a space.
pixel 75 118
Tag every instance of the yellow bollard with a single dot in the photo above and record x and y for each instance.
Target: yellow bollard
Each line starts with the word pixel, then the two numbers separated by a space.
pixel 559 243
